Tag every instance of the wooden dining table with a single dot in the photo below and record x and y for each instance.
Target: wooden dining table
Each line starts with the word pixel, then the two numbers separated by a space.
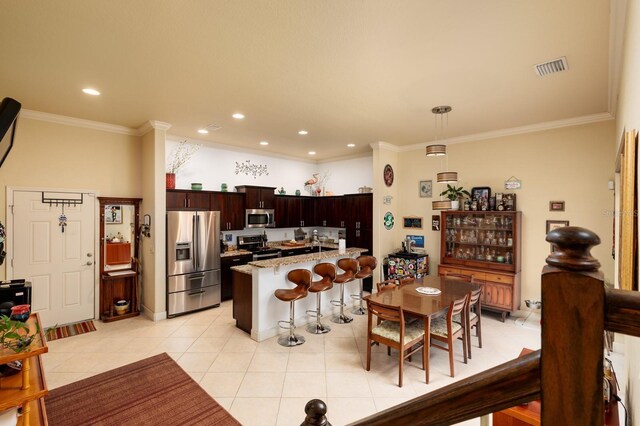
pixel 423 305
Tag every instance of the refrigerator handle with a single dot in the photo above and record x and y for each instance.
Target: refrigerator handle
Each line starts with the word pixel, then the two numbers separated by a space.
pixel 198 266
pixel 194 242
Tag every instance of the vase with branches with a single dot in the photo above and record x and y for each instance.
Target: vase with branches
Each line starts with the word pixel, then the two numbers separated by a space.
pixel 179 156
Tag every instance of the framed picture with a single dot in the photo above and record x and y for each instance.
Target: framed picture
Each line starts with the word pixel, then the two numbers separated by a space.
pixel 426 187
pixel 412 222
pixel 435 222
pixel 481 194
pixel 556 206
pixel 555 224
pixel 112 214
pixel 388 175
pixel 419 240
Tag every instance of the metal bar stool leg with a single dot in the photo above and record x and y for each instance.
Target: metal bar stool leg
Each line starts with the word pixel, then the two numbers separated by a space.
pixel 318 327
pixel 360 310
pixel 341 318
pixel 292 339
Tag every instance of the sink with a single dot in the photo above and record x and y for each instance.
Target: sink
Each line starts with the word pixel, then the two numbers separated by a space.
pixel 409 255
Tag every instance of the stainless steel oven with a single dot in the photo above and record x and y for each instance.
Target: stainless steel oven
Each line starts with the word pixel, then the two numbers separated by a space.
pixel 267 254
pixel 259 218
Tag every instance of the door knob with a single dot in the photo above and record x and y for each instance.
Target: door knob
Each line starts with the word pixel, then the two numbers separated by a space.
pixel 89 263
pixel 89 254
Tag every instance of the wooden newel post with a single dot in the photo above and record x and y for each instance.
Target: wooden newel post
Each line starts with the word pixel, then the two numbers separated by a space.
pixel 572 330
pixel 316 410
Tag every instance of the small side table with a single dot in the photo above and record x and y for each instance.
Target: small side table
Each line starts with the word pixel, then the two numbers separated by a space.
pixel 114 285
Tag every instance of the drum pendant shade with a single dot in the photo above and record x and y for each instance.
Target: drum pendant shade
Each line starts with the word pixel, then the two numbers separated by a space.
pixel 447 177
pixel 436 150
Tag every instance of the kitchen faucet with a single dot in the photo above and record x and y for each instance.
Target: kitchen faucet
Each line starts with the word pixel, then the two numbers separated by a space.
pixel 315 241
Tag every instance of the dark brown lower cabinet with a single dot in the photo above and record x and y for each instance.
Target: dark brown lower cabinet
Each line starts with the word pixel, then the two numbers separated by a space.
pixel 242 297
pixel 225 272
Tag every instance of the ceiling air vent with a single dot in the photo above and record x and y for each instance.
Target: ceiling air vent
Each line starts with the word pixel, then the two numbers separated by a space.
pixel 551 67
pixel 213 127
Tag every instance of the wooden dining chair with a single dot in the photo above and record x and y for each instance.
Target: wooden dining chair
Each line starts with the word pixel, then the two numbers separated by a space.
pixel 391 284
pixel 446 331
pixel 472 318
pixel 393 332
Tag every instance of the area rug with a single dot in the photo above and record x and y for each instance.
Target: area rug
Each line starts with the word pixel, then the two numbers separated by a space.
pixel 63 331
pixel 154 391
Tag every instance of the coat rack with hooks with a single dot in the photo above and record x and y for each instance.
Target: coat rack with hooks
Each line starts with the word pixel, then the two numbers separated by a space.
pixel 62 200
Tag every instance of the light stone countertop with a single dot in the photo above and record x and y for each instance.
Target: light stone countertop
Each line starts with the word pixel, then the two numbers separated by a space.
pixel 244 269
pixel 272 263
pixel 234 253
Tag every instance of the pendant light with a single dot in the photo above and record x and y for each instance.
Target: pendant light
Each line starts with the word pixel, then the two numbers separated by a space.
pixel 441 205
pixel 440 150
pixel 436 150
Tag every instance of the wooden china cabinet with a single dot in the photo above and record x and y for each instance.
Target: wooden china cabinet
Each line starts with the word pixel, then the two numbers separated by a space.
pixel 485 246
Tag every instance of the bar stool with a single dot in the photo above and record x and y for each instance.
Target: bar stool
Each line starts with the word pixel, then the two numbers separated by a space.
pixel 350 268
pixel 328 273
pixel 302 279
pixel 367 265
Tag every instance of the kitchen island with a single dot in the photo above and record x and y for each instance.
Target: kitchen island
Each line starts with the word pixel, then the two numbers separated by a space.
pixel 269 275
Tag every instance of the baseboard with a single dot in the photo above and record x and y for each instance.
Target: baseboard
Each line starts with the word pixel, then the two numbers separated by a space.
pixel 153 316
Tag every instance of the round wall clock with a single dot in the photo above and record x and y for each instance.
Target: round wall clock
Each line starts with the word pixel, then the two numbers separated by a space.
pixel 388 175
pixel 388 220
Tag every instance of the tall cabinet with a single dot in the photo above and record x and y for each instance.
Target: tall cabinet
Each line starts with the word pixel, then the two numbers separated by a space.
pixel 485 246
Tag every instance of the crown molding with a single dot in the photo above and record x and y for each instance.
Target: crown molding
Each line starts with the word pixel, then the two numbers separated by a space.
pixel 345 157
pixel 385 145
pixel 153 125
pixel 539 127
pixel 235 148
pixel 77 122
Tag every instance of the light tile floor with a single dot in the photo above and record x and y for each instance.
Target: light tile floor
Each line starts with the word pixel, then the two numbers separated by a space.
pixel 266 384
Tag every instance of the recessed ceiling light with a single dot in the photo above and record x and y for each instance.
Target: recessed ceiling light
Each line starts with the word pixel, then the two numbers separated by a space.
pixel 264 143
pixel 203 131
pixel 303 132
pixel 90 91
pixel 312 153
pixel 351 145
pixel 238 116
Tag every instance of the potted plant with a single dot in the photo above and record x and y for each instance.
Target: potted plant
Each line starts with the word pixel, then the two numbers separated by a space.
pixel 454 194
pixel 15 335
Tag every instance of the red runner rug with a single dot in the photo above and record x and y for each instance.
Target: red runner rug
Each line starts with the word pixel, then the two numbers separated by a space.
pixel 63 331
pixel 153 391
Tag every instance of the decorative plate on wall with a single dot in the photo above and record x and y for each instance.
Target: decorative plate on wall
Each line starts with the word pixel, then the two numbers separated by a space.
pixel 388 220
pixel 388 175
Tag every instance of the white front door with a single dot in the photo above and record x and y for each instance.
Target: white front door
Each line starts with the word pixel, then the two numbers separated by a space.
pixel 60 265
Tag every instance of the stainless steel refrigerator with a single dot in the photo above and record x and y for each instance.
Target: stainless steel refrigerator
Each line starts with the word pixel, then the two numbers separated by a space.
pixel 193 261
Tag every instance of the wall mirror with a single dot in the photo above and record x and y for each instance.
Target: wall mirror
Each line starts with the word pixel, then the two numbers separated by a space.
pixel 119 221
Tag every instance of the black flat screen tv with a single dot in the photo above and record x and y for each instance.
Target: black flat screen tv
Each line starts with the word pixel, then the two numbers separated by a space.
pixel 9 110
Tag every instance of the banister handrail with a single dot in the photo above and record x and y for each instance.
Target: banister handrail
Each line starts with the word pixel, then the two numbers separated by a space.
pixel 504 386
pixel 622 312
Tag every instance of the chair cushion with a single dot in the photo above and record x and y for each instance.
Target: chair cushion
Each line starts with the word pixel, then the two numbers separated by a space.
pixel 391 330
pixel 456 318
pixel 439 327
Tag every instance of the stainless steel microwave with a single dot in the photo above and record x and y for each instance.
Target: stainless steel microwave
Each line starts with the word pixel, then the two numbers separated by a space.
pixel 260 218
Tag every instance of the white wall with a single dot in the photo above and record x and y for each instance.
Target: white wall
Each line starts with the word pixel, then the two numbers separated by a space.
pixel 213 165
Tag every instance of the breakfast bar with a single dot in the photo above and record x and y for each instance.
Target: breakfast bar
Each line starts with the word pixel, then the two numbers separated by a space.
pixel 266 276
